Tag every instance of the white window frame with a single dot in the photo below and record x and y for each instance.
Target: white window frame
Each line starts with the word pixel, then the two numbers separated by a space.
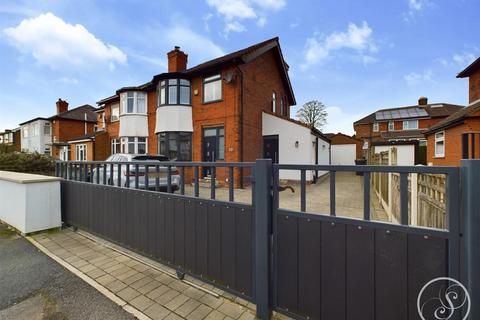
pixel 376 127
pixel 209 80
pixel 115 116
pixel 438 140
pixel 116 146
pixel 47 151
pixel 136 95
pixel 391 126
pixel 406 124
pixel 45 126
pixel 124 145
pixel 78 149
pixel 274 102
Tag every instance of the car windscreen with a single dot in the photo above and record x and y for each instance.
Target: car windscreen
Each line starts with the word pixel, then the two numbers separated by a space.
pixel 150 158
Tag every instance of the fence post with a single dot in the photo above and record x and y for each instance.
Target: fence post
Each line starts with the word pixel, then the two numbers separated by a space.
pixel 470 177
pixel 263 213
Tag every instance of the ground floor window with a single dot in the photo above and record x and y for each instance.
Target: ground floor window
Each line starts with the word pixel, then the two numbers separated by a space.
pixel 65 153
pixel 134 145
pixel 175 145
pixel 440 144
pixel 48 151
pixel 81 152
pixel 115 146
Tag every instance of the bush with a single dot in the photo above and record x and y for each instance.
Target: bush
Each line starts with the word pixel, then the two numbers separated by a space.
pixel 27 162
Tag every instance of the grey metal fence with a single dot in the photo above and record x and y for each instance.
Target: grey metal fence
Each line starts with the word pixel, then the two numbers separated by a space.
pixel 307 265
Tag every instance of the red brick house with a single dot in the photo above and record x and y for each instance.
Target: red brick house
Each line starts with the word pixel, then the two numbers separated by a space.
pixel 68 124
pixel 210 112
pixel 402 125
pixel 458 136
pixel 10 140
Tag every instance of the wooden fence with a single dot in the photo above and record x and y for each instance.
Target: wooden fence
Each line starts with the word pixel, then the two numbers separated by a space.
pixel 427 193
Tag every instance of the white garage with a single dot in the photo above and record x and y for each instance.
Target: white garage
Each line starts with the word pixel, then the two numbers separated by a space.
pixel 343 154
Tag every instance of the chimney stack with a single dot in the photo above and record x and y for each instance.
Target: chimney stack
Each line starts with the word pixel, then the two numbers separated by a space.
pixel 62 106
pixel 422 101
pixel 177 60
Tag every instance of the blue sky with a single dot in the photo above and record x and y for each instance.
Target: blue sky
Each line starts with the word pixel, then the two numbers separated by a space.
pixel 354 56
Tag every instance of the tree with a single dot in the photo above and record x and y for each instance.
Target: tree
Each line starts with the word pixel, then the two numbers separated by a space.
pixel 313 113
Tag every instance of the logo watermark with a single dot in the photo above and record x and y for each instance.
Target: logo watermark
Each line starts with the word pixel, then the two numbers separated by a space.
pixel 442 299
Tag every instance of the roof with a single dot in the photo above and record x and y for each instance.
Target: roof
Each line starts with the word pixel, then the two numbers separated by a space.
pixel 314 130
pixel 468 71
pixel 431 110
pixel 32 120
pixel 455 118
pixel 78 114
pixel 403 134
pixel 332 135
pixel 108 99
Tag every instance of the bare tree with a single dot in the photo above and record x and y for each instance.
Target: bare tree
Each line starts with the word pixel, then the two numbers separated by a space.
pixel 313 113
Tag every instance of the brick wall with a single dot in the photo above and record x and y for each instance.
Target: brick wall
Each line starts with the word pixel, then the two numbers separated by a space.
pixel 474 87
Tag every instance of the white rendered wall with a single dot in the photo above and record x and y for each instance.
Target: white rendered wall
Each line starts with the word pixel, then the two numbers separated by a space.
pixel 174 118
pixel 323 155
pixel 344 154
pixel 35 142
pixel 27 205
pixel 133 125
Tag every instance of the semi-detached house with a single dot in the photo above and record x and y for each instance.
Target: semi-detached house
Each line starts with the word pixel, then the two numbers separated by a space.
pixel 235 108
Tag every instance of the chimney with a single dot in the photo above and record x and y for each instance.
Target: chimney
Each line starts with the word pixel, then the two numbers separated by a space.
pixel 62 106
pixel 422 101
pixel 177 60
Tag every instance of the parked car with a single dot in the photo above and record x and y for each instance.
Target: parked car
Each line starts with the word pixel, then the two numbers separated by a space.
pixel 162 174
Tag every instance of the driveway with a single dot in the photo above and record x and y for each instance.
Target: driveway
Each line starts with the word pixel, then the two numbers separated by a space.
pixel 32 286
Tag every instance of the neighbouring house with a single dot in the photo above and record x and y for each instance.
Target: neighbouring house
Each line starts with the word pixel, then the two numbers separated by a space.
pixel 344 149
pixel 226 109
pixel 10 140
pixel 403 127
pixel 458 136
pixel 68 125
pixel 36 135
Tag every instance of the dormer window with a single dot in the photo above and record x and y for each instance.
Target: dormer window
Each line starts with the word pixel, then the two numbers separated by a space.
pixel 174 92
pixel 133 102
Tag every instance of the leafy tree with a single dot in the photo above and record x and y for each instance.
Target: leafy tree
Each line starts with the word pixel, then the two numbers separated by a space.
pixel 27 162
pixel 313 113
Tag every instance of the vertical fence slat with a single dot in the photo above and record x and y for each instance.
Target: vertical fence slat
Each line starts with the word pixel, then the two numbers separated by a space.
pixel 332 193
pixel 110 180
pixel 404 198
pixel 182 180
pixel 212 182
pixel 119 175
pixel 231 193
pixel 303 192
pixel 366 196
pixel 157 178
pixel 97 168
pixel 169 179
pixel 196 187
pixel 147 167
pixel 105 173
pixel 136 176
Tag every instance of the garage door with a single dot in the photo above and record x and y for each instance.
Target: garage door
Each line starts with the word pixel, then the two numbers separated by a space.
pixel 343 154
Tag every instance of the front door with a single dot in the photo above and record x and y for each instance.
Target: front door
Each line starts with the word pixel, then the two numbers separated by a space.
pixel 270 148
pixel 213 140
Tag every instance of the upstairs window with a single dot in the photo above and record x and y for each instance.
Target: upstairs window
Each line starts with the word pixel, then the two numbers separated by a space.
pixel 375 127
pixel 440 144
pixel 391 126
pixel 115 112
pixel 212 88
pixel 410 124
pixel 133 102
pixel 274 102
pixel 174 91
pixel 47 128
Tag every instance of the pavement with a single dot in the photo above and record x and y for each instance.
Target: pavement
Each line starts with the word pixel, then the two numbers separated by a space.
pixel 33 286
pixel 138 284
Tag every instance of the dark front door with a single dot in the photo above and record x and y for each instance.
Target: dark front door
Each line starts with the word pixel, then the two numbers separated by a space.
pixel 213 140
pixel 270 148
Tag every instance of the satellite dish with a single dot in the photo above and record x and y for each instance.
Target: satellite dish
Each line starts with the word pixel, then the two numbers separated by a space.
pixel 228 77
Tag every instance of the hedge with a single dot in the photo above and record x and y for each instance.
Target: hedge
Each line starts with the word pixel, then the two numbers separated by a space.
pixel 27 162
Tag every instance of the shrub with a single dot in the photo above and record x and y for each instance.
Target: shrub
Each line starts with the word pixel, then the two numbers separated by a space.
pixel 27 162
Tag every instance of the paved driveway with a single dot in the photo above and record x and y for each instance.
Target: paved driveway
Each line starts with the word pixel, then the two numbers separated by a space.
pixel 32 286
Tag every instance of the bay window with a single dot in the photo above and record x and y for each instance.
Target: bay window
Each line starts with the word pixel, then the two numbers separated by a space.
pixel 173 92
pixel 134 145
pixel 175 145
pixel 133 102
pixel 212 88
pixel 440 144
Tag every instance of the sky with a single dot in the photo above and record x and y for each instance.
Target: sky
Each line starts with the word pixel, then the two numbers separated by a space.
pixel 354 56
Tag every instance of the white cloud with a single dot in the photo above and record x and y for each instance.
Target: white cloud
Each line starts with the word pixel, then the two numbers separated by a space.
pixel 234 11
pixel 414 78
pixel 68 80
pixel 338 120
pixel 415 7
pixel 464 59
pixel 356 38
pixel 416 4
pixel 55 43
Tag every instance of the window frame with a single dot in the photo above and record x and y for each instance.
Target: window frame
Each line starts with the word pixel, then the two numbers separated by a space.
pixel 124 103
pixel 124 143
pixel 165 137
pixel 408 127
pixel 217 137
pixel 49 126
pixel 79 148
pixel 165 85
pixel 437 140
pixel 376 127
pixel 392 128
pixel 274 102
pixel 217 77
pixel 117 118
pixel 47 151
pixel 115 146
